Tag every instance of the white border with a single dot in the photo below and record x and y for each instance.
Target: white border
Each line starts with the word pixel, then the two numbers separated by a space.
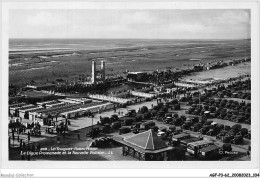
pixel 253 164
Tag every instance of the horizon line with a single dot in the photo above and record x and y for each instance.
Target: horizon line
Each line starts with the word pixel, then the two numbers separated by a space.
pixel 136 38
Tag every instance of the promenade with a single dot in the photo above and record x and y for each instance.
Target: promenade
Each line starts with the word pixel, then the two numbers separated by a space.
pixel 78 123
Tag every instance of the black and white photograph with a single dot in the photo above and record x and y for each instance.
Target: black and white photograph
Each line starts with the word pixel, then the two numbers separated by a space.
pixel 131 84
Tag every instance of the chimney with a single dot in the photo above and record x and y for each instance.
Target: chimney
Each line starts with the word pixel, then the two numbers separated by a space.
pixel 94 73
pixel 103 69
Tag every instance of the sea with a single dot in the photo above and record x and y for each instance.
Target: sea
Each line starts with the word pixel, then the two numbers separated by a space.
pixel 39 45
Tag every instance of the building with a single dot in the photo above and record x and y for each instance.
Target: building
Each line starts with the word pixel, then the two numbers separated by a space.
pixel 142 94
pixel 16 99
pixel 170 90
pixel 111 99
pixel 34 96
pixel 24 111
pixel 42 87
pixel 93 108
pixel 146 146
pixel 14 108
pixel 208 152
pixel 43 104
pixel 101 73
pixel 137 76
pixel 94 74
pixel 81 100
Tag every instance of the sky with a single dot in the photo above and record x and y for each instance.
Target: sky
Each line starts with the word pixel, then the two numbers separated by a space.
pixel 136 24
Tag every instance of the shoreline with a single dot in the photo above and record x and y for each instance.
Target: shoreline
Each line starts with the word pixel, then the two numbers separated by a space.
pixel 69 65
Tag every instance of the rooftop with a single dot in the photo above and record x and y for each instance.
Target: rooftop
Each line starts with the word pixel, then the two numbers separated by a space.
pixel 136 72
pixel 34 93
pixel 209 148
pixel 41 85
pixel 181 135
pixel 48 102
pixel 17 105
pixel 29 107
pixel 146 140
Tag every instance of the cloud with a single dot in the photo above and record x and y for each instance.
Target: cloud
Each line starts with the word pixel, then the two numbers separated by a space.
pixel 138 17
pixel 45 18
pixel 232 17
pixel 199 24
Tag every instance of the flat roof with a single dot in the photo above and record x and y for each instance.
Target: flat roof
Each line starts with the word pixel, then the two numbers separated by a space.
pixel 83 108
pixel 68 100
pixel 34 93
pixel 17 105
pixel 28 108
pixel 41 85
pixel 58 109
pixel 125 118
pixel 37 110
pixel 180 135
pixel 209 148
pixel 79 99
pixel 24 107
pixel 189 140
pixel 148 122
pixel 61 109
pixel 201 142
pixel 48 102
pixel 136 72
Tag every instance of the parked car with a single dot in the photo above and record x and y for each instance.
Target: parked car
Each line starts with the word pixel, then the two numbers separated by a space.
pixel 114 118
pixel 208 123
pixel 177 121
pixel 221 134
pixel 243 131
pixel 226 147
pixel 124 130
pixel 101 142
pixel 205 129
pixel 177 131
pixel 127 121
pixel 94 132
pixel 161 134
pixel 116 125
pixel 196 127
pixel 186 125
pixel 147 125
pixel 238 139
pixel 131 113
pixel 212 131
pixel 248 121
pixel 248 136
pixel 227 138
pixel 226 127
pixel 105 120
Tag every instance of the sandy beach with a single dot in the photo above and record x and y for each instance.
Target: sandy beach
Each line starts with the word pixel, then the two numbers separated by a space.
pixel 133 55
pixel 222 73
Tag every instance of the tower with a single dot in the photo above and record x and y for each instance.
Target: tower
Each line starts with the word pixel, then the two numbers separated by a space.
pixel 103 73
pixel 94 73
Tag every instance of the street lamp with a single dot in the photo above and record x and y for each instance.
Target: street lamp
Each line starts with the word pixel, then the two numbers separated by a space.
pixel 92 125
pixel 13 135
pixel 92 120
